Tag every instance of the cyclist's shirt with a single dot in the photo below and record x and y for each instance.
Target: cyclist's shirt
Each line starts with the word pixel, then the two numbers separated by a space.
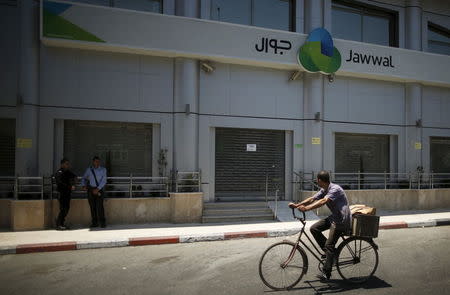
pixel 338 205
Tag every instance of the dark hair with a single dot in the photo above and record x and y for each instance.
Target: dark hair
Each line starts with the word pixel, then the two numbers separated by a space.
pixel 324 176
pixel 95 158
pixel 63 160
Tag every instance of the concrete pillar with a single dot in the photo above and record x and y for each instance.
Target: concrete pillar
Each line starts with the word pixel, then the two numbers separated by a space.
pixel 28 97
pixel 413 24
pixel 186 95
pixel 413 91
pixel 413 116
pixel 313 98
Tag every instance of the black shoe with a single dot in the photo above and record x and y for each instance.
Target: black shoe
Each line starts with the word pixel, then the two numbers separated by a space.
pixel 103 225
pixel 324 276
pixel 93 225
pixel 61 227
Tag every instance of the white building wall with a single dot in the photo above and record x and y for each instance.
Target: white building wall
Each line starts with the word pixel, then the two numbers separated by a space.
pixel 248 97
pixel 90 85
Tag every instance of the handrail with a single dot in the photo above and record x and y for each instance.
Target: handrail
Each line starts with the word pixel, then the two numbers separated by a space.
pixel 379 180
pixel 187 181
pixel 23 187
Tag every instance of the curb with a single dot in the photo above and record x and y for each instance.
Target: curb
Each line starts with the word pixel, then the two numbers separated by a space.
pixel 143 241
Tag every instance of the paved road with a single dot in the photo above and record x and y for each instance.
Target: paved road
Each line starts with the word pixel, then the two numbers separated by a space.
pixel 412 261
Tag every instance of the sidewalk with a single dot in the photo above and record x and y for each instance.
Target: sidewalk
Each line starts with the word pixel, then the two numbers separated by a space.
pixel 150 234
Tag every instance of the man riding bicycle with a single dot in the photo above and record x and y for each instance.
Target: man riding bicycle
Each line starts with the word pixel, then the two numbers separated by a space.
pixel 339 222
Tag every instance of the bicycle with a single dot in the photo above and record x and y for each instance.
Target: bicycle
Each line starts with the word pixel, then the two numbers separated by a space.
pixel 283 264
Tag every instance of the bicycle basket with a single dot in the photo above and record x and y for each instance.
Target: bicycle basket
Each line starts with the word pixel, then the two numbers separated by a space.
pixel 365 225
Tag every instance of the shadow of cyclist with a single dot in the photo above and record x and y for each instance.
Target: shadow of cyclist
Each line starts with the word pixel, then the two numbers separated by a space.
pixel 338 286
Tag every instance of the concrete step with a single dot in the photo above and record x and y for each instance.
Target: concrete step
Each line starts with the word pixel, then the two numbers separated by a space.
pixel 242 205
pixel 236 211
pixel 237 218
pixel 244 199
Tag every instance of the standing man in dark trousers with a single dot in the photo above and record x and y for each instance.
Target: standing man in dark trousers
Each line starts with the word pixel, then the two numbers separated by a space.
pixel 94 181
pixel 339 222
pixel 65 184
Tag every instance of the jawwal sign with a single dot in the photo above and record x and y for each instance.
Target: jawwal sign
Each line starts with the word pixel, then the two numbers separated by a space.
pixel 318 54
pixel 78 25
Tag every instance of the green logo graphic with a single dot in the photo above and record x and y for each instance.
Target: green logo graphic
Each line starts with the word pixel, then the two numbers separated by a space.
pixel 318 54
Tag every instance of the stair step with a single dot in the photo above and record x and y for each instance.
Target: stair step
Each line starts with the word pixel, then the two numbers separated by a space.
pixel 235 205
pixel 236 218
pixel 244 199
pixel 223 212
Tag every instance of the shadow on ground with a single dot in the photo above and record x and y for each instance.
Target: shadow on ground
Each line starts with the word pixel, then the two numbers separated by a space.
pixel 338 286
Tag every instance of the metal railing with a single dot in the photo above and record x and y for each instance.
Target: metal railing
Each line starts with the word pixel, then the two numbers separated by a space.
pixel 116 187
pixel 187 181
pixel 367 181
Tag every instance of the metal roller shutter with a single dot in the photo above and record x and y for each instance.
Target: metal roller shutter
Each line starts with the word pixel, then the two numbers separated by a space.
pixel 7 146
pixel 242 173
pixel 440 154
pixel 362 152
pixel 123 147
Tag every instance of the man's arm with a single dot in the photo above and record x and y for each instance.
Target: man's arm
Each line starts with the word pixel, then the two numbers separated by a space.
pixel 85 179
pixel 302 203
pixel 314 205
pixel 102 181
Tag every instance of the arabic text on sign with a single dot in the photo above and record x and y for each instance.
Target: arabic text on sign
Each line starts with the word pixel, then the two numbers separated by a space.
pixel 277 46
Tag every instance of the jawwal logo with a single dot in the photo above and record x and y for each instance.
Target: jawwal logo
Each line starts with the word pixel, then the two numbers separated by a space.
pixel 318 54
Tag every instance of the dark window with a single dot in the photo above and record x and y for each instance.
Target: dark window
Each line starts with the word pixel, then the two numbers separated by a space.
pixel 438 39
pixel 7 146
pixel 273 14
pixel 352 21
pixel 140 5
pixel 8 2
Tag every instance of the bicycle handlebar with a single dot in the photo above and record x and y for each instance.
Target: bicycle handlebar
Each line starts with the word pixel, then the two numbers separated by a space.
pixel 299 218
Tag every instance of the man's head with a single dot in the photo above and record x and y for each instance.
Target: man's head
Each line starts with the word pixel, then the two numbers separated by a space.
pixel 65 164
pixel 323 179
pixel 96 162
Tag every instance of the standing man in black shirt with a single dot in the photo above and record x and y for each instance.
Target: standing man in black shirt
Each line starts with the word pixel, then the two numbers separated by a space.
pixel 65 182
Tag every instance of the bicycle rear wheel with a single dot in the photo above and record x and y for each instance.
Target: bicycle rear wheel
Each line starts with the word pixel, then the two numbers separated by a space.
pixel 282 265
pixel 357 259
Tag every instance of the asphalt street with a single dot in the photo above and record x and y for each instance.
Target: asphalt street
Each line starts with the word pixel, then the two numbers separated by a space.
pixel 412 261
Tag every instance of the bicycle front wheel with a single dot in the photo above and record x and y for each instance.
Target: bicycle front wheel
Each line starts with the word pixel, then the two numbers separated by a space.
pixel 282 265
pixel 357 259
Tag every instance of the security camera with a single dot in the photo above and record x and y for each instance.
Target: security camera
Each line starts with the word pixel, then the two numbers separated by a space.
pixel 206 67
pixel 331 78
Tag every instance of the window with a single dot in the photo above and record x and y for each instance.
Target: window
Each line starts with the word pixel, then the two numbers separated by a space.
pixel 273 14
pixel 141 5
pixel 355 22
pixel 438 39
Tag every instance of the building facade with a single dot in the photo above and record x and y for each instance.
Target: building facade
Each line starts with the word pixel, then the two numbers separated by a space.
pixel 215 86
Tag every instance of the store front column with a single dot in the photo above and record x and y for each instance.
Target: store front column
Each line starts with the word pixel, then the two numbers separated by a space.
pixel 186 95
pixel 26 163
pixel 186 115
pixel 313 98
pixel 413 91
